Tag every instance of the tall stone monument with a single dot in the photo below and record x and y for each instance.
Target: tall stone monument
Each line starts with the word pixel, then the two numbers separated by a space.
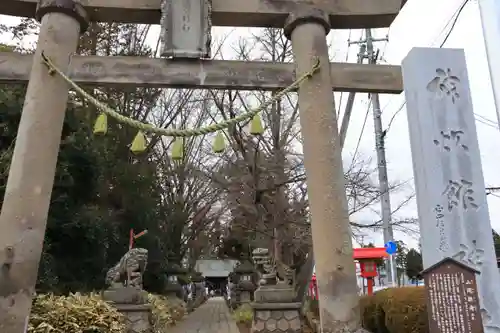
pixel 451 197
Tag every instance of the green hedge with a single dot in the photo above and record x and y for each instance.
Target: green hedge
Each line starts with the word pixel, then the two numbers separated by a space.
pixel 395 310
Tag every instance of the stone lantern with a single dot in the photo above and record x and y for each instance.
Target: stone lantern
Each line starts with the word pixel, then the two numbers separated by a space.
pixel 199 295
pixel 232 289
pixel 173 287
pixel 246 281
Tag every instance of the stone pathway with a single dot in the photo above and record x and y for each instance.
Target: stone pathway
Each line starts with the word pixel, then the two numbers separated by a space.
pixel 211 317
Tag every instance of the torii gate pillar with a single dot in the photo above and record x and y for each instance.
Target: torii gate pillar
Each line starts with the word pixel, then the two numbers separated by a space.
pixel 335 268
pixel 31 176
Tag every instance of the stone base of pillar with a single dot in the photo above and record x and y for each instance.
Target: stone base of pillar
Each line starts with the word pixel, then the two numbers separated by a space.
pixel 276 318
pixel 125 295
pixel 137 317
pixel 233 302
pixel 279 293
pixel 133 304
pixel 245 297
pixel 174 290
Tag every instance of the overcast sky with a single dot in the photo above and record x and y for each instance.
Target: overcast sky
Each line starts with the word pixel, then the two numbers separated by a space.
pixel 422 23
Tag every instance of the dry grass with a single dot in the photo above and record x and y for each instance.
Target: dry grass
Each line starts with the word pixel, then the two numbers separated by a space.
pixel 74 313
pixel 78 313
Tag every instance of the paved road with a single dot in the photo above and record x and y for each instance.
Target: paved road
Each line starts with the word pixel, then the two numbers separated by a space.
pixel 211 317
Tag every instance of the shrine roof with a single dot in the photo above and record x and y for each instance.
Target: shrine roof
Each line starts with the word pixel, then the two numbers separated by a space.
pixel 370 253
pixel 452 261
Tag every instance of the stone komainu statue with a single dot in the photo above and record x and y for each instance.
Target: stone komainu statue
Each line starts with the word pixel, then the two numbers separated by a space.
pixel 286 273
pixel 129 270
pixel 272 271
pixel 264 266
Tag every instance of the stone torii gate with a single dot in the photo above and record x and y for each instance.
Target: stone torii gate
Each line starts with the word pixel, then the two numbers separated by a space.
pixel 305 22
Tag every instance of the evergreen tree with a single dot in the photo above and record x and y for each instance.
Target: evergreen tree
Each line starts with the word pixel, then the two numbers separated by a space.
pixel 414 265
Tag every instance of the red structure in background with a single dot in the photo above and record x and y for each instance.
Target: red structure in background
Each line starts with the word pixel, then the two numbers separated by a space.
pixel 133 237
pixel 313 287
pixel 366 258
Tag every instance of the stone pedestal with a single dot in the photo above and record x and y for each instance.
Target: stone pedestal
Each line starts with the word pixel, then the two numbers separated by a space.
pixel 200 294
pixel 274 294
pixel 133 304
pixel 276 318
pixel 125 295
pixel 137 317
pixel 245 297
pixel 173 289
pixel 275 311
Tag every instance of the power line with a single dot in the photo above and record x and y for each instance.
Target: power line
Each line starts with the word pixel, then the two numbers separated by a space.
pixel 344 124
pixel 453 22
pixel 394 116
pixel 362 54
pixel 386 39
pixel 362 130
pixel 483 120
pixel 494 195
pixel 455 18
pixel 346 58
pixel 493 188
pixel 486 119
pixel 486 123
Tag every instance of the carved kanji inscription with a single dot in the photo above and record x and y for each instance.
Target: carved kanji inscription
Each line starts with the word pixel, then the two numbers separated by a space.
pixel 460 195
pixel 451 139
pixel 445 84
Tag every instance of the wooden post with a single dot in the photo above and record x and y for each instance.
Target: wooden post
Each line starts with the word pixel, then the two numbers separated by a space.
pixel 369 286
pixel 23 217
pixel 131 240
pixel 335 268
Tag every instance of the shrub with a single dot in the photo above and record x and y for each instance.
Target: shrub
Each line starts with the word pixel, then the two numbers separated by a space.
pixel 90 314
pixel 395 310
pixel 166 312
pixel 74 313
pixel 243 314
pixel 313 307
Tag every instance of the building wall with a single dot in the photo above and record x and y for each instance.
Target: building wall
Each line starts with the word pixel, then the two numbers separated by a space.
pixel 215 267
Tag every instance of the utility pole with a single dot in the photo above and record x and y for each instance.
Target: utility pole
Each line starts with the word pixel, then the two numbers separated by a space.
pixel 332 243
pixel 350 99
pixel 385 198
pixel 23 218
